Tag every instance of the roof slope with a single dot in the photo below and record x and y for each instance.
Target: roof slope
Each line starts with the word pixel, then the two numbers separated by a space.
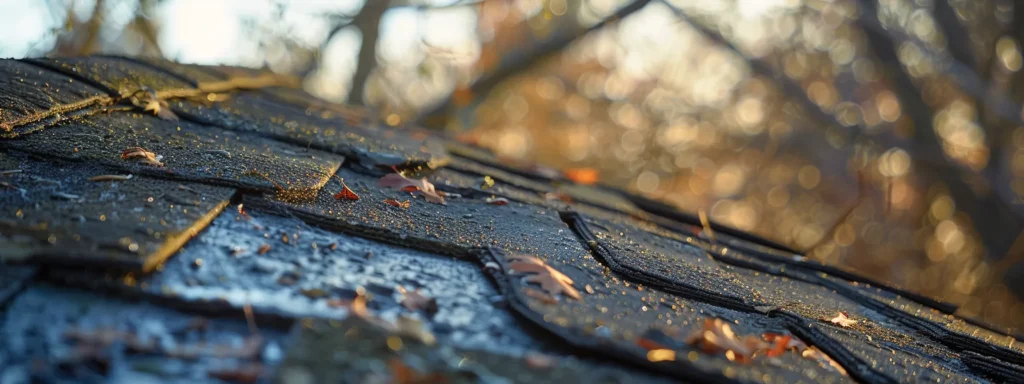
pixel 139 246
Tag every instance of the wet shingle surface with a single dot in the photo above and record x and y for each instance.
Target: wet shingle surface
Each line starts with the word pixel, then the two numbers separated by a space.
pixel 26 90
pixel 188 151
pixel 244 232
pixel 260 113
pixel 88 337
pixel 116 75
pixel 62 213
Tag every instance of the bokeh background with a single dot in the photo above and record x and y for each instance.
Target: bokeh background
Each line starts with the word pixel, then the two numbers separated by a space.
pixel 883 136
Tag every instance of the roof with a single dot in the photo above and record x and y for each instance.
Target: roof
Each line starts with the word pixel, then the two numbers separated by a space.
pixel 218 242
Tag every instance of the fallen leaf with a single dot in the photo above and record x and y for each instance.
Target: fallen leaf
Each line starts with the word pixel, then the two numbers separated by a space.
pixel 144 156
pixel 539 360
pixel 405 184
pixel 782 343
pixel 241 212
pixel 842 320
pixel 717 336
pixel 551 280
pixel 415 301
pixel 249 373
pixel 404 374
pixel 400 204
pixel 346 193
pixel 497 201
pixel 582 175
pixel 433 198
pixel 658 355
pixel 397 181
pixel 151 102
pixel 823 359
pixel 540 295
pixel 649 344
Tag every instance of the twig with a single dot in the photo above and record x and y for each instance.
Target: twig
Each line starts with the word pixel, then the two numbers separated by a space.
pixel 704 222
pixel 529 55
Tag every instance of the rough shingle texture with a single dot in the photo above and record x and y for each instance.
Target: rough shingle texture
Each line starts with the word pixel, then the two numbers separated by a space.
pixel 195 269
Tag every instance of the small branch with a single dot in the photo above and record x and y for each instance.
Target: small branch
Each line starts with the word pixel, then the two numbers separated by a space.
pixel 527 57
pixel 958 40
pixel 368 22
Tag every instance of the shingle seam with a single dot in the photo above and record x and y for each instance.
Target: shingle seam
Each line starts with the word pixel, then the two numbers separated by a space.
pixel 591 345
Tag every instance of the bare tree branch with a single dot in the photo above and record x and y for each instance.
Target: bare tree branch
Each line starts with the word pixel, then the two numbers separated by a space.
pixel 368 22
pixel 958 40
pixel 991 215
pixel 993 218
pixel 518 61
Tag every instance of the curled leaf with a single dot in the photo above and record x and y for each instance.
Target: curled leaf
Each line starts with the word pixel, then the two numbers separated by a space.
pixel 540 296
pixel 842 320
pixel 151 102
pixel 415 301
pixel 549 279
pixel 497 201
pixel 823 359
pixel 782 343
pixel 582 175
pixel 144 156
pixel 717 336
pixel 432 197
pixel 538 360
pixel 405 184
pixel 346 193
pixel 658 355
pixel 400 204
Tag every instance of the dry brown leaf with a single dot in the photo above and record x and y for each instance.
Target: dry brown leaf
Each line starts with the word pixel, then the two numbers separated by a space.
pixel 539 360
pixel 404 374
pixel 402 183
pixel 540 296
pixel 823 359
pixel 241 212
pixel 400 204
pixel 551 280
pixel 497 201
pixel 432 197
pixel 151 102
pixel 144 156
pixel 717 336
pixel 346 193
pixel 782 343
pixel 415 301
pixel 249 373
pixel 582 175
pixel 842 320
